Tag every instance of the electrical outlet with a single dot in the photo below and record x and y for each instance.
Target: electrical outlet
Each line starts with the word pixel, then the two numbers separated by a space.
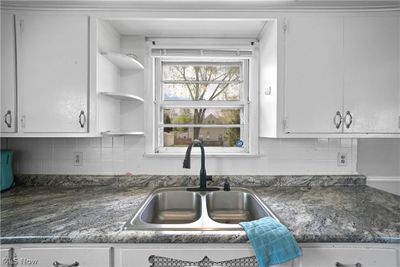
pixel 342 159
pixel 78 158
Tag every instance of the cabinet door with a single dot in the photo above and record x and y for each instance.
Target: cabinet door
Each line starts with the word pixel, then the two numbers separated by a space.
pixel 367 257
pixel 53 53
pixel 8 74
pixel 313 91
pixel 59 257
pixel 371 74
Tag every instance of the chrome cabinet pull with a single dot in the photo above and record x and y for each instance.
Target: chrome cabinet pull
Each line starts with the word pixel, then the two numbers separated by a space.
pixel 82 119
pixel 57 264
pixel 338 264
pixel 346 121
pixel 337 119
pixel 8 119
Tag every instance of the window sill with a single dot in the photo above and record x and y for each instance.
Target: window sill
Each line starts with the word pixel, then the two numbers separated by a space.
pixel 196 155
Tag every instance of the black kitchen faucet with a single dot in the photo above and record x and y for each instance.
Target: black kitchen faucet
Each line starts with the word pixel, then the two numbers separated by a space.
pixel 203 174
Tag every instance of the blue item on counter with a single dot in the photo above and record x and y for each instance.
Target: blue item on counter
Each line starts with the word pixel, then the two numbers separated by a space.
pixel 271 241
pixel 7 176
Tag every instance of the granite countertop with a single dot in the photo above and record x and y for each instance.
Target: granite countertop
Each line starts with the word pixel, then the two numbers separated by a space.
pixel 96 214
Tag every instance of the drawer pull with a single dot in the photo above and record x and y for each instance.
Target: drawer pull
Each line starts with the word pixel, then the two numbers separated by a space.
pixel 338 264
pixel 8 119
pixel 57 264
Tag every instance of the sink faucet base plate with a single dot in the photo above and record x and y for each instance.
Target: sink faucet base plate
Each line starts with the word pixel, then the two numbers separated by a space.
pixel 198 189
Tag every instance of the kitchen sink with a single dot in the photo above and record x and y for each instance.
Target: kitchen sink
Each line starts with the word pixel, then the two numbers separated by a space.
pixel 172 207
pixel 178 209
pixel 234 207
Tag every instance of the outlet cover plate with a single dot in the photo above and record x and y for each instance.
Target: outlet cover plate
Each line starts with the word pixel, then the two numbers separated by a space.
pixel 78 158
pixel 342 159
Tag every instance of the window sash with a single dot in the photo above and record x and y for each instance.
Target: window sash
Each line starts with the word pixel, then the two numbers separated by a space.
pixel 207 61
pixel 172 125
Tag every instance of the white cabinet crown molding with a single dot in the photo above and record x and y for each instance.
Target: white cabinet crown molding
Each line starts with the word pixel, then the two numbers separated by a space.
pixel 190 5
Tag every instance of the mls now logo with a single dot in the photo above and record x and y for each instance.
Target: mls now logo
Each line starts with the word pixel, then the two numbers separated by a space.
pixel 21 261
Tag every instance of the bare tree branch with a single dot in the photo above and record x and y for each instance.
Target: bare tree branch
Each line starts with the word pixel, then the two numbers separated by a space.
pixel 183 73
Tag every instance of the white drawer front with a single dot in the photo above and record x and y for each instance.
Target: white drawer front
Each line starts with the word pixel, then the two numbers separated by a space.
pixel 140 257
pixel 45 257
pixel 367 257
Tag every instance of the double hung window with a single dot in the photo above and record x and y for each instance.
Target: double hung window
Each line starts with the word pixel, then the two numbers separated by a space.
pixel 201 94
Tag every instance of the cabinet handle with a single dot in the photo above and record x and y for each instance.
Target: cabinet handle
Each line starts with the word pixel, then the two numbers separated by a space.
pixel 338 264
pixel 57 264
pixel 8 119
pixel 348 122
pixel 82 119
pixel 337 119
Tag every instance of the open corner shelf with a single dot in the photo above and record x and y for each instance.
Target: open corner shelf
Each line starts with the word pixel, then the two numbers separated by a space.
pixel 122 96
pixel 123 61
pixel 121 133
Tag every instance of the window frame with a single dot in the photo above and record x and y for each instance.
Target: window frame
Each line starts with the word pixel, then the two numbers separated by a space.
pixel 249 109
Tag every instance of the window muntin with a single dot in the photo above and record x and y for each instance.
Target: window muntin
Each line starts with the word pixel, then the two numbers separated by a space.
pixel 211 115
pixel 204 99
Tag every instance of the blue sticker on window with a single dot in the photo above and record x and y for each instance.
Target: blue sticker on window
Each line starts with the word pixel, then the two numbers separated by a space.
pixel 239 143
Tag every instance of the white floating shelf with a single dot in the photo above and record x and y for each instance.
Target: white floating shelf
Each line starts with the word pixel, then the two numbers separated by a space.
pixel 123 61
pixel 123 96
pixel 121 133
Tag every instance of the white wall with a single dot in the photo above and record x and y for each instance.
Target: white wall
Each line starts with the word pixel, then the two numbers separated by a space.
pixel 379 160
pixel 119 155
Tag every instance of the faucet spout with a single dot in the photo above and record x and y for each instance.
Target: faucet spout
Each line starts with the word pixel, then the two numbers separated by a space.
pixel 203 173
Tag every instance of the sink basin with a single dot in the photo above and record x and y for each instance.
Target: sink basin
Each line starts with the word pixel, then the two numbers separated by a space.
pixel 172 207
pixel 234 207
pixel 179 209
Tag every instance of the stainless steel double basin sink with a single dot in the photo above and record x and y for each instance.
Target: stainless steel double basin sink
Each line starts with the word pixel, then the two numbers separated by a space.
pixel 178 209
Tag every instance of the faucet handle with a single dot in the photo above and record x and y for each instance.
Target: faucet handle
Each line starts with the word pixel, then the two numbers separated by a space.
pixel 209 178
pixel 227 186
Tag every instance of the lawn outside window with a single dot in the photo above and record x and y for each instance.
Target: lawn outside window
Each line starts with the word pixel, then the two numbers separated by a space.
pixel 201 96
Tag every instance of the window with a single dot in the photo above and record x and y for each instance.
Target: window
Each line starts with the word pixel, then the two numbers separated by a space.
pixel 201 94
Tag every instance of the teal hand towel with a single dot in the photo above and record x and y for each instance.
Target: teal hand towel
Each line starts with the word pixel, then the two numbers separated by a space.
pixel 271 241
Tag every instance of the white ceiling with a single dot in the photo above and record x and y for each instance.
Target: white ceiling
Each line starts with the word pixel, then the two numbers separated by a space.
pixel 232 28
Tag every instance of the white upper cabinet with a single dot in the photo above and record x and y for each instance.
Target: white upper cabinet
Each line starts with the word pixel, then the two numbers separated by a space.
pixel 371 74
pixel 339 77
pixel 8 74
pixel 314 87
pixel 53 73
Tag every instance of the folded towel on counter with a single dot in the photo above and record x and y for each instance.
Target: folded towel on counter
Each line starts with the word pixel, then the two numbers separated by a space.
pixel 271 241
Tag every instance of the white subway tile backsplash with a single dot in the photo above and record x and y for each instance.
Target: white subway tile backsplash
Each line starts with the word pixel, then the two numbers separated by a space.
pixel 106 141
pixel 120 155
pixel 70 143
pixel 118 141
pixel 346 142
pixel 106 154
pixel 83 143
pixel 95 142
pixel 133 141
pixel 92 154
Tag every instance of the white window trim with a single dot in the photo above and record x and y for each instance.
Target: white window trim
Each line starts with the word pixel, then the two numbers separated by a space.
pixel 153 96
